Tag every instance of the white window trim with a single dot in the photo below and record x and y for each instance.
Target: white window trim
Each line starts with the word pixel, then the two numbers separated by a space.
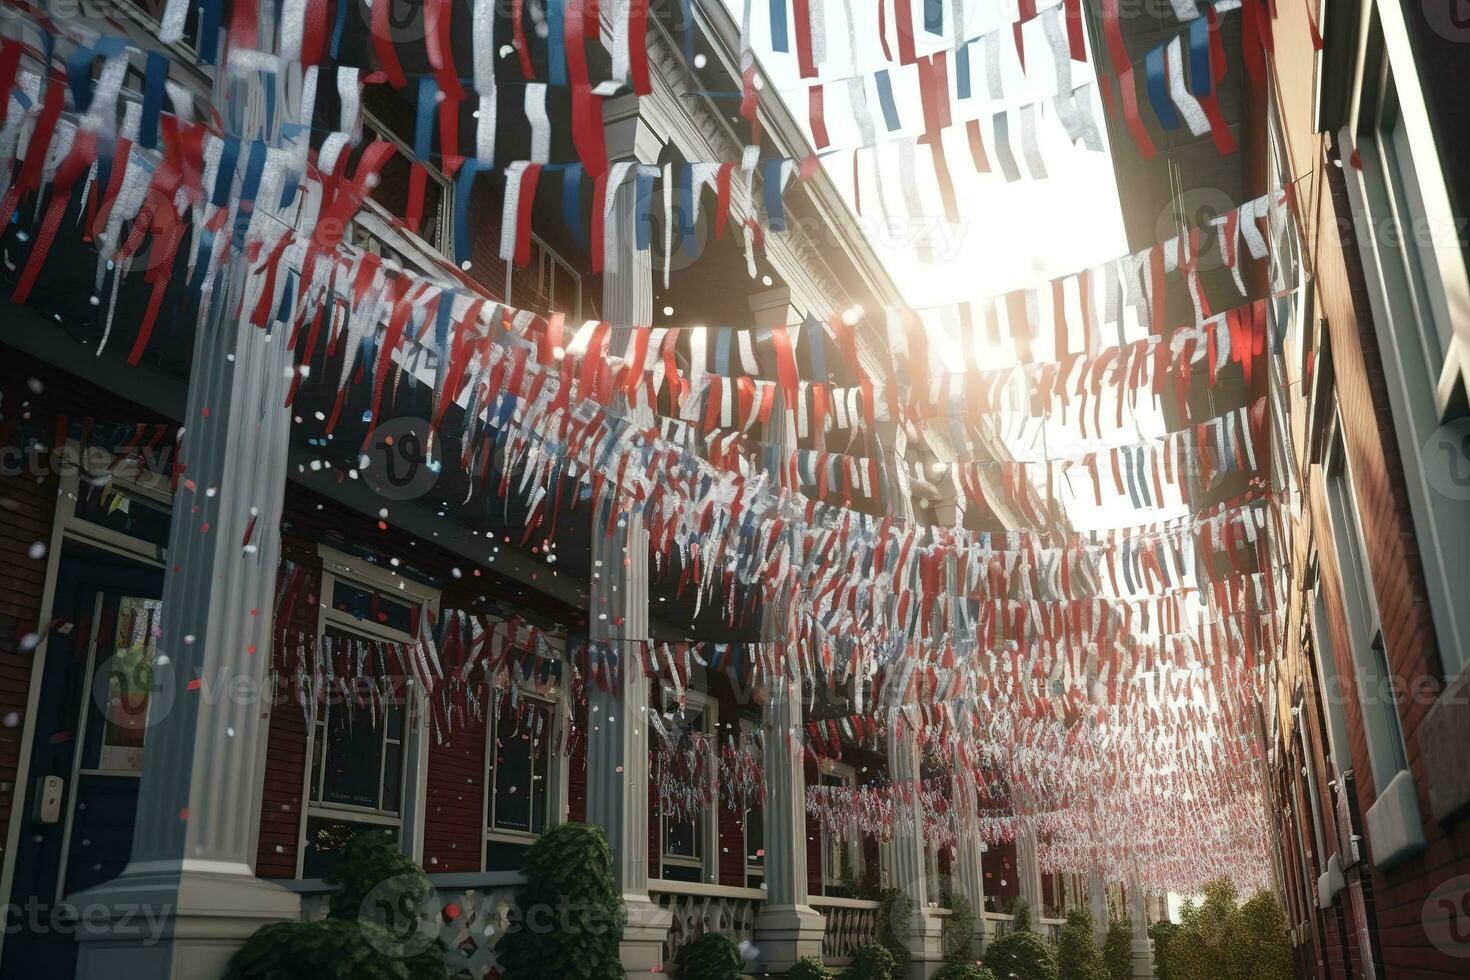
pixel 708 861
pixel 1420 395
pixel 748 728
pixel 1330 690
pixel 556 770
pixel 1384 761
pixel 65 526
pixel 415 741
pixel 833 876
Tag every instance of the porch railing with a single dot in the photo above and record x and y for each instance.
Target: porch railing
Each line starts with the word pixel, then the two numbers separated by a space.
pixel 1050 929
pixel 850 924
pixel 700 908
pixel 473 911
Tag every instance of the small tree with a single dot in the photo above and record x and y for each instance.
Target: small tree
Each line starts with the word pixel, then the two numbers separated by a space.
pixel 1162 933
pixel 895 911
pixel 569 873
pixel 1118 949
pixel 1078 957
pixel 1021 956
pixel 963 971
pixel 1220 938
pixel 1261 940
pixel 1020 915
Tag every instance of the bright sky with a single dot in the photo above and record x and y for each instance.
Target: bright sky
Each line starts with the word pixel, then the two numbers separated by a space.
pixel 1010 235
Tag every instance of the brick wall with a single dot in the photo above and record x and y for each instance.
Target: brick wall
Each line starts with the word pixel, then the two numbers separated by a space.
pixel 1392 553
pixel 33 396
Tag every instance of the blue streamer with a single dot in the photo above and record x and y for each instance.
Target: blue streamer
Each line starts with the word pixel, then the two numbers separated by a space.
pixel 934 16
pixel 556 55
pixel 209 21
pixel 1158 88
pixel 885 99
pixel 775 207
pixel 249 187
pixel 154 75
pixel 962 71
pixel 423 124
pixel 780 41
pixel 224 177
pixel 723 337
pixel 817 348
pixel 79 76
pixel 571 203
pixel 464 183
pixel 339 25
pixel 643 211
pixel 686 209
pixel 1201 79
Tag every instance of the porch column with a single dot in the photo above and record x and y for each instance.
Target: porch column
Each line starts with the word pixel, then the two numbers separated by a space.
pixel 1028 870
pixel 617 720
pixel 1097 901
pixel 969 876
pixel 787 927
pixel 911 871
pixel 192 866
pixel 1143 945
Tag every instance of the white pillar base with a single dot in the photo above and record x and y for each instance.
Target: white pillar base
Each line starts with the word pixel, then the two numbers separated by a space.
pixel 1143 959
pixel 642 950
pixel 784 934
pixel 185 926
pixel 926 944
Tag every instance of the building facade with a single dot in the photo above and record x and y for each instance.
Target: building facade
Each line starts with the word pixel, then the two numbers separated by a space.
pixel 204 787
pixel 1370 721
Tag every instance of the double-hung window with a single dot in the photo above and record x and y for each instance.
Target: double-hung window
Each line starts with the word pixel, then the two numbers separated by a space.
pixel 365 732
pixel 686 825
pixel 841 854
pixel 520 777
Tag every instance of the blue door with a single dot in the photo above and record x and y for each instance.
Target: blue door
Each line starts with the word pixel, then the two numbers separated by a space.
pixel 91 721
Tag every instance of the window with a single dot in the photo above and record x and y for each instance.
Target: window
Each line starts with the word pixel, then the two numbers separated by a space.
pixel 687 759
pixel 1360 604
pixel 366 741
pixel 840 856
pixel 752 813
pixel 1414 268
pixel 518 781
pixel 1331 684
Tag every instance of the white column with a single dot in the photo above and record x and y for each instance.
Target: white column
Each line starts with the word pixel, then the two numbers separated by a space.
pixel 1097 901
pixel 1143 946
pixel 969 875
pixel 787 927
pixel 1028 871
pixel 617 735
pixel 911 872
pixel 192 865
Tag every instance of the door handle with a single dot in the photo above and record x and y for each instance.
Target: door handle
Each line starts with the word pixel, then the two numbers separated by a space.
pixel 47 809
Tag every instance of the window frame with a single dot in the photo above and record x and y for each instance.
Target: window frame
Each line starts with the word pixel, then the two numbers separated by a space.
pixel 1382 729
pixel 748 729
pixel 707 827
pixel 556 771
pixel 832 877
pixel 414 741
pixel 1424 392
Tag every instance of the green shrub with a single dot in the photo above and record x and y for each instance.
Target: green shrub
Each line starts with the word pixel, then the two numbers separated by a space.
pixel 1021 956
pixel 1221 938
pixel 712 956
pixel 873 962
pixel 1262 945
pixel 894 928
pixel 955 970
pixel 568 872
pixel 333 949
pixel 1078 957
pixel 809 968
pixel 1020 915
pixel 1162 933
pixel 1118 950
pixel 398 939
pixel 959 929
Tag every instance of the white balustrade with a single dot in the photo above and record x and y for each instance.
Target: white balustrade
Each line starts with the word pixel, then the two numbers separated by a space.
pixel 699 908
pixel 851 924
